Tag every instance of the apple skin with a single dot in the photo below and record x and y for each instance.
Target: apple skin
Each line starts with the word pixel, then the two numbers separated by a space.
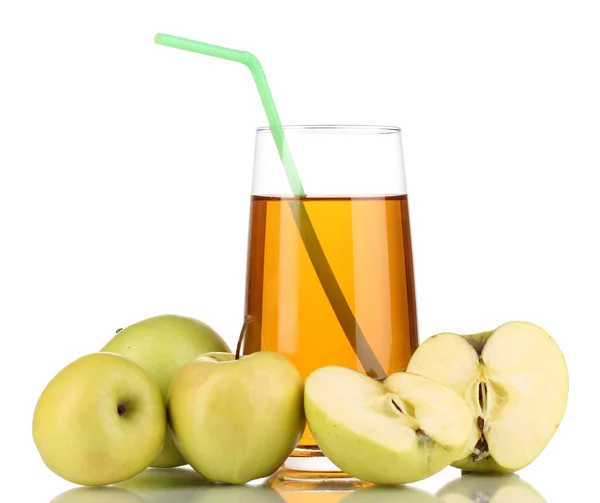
pixel 237 420
pixel 101 420
pixel 161 346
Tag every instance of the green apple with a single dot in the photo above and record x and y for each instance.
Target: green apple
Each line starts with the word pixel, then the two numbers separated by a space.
pixel 382 494
pixel 489 489
pixel 237 420
pixel 401 430
pixel 99 421
pixel 97 495
pixel 161 346
pixel 516 383
pixel 165 485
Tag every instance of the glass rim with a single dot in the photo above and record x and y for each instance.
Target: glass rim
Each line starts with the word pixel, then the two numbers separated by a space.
pixel 333 128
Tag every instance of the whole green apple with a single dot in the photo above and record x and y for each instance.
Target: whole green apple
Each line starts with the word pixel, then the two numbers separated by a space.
pixel 99 421
pixel 237 420
pixel 161 346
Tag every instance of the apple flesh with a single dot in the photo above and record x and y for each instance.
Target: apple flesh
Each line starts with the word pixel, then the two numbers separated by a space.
pixel 237 420
pixel 489 489
pixel 101 420
pixel 516 383
pixel 395 432
pixel 161 346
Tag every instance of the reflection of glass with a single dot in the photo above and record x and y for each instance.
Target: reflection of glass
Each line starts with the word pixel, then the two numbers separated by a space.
pixel 482 488
pixel 399 494
pixel 299 486
pixel 330 274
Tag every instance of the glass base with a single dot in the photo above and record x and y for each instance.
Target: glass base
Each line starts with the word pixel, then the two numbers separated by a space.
pixel 310 459
pixel 286 480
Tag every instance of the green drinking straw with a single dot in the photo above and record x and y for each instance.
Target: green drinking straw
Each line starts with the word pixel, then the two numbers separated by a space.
pixel 315 251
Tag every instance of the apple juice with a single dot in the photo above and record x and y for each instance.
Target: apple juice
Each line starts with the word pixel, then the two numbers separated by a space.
pixel 366 242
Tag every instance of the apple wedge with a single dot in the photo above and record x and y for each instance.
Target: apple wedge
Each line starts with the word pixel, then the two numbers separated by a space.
pixel 516 383
pixel 399 431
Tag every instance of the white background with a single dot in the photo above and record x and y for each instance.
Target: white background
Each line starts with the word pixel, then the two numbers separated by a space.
pixel 125 173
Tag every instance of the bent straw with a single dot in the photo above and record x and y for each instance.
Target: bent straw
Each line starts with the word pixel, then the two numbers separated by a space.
pixel 313 247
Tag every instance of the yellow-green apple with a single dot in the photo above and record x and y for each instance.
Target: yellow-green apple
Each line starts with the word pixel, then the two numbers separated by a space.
pixel 516 383
pixel 489 489
pixel 100 420
pixel 161 345
pixel 236 420
pixel 401 430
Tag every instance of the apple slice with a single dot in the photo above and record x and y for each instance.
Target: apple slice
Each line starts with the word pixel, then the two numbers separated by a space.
pixel 489 489
pixel 399 431
pixel 516 383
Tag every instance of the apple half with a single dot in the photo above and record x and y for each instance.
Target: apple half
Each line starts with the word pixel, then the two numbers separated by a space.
pixel 516 383
pixel 401 430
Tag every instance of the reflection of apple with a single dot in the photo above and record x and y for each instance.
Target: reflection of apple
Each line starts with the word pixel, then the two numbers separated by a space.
pixel 97 495
pixel 395 432
pixel 237 420
pixel 391 495
pixel 161 345
pixel 515 381
pixel 100 420
pixel 237 494
pixel 165 485
pixel 489 489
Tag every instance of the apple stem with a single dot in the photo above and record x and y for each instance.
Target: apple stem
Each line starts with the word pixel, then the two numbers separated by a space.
pixel 238 349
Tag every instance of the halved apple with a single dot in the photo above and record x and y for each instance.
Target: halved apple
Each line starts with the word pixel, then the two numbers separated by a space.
pixel 516 383
pixel 399 431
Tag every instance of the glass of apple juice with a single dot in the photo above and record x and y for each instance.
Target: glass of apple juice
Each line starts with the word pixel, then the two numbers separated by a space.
pixel 330 273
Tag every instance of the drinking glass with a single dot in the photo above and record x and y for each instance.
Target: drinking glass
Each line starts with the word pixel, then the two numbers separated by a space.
pixel 330 273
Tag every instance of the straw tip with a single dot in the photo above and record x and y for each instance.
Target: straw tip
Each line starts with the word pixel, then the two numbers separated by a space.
pixel 158 38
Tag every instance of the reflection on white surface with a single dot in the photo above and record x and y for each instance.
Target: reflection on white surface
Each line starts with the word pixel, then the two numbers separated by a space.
pixel 183 485
pixel 489 489
pixel 97 495
pixel 176 485
pixel 396 494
